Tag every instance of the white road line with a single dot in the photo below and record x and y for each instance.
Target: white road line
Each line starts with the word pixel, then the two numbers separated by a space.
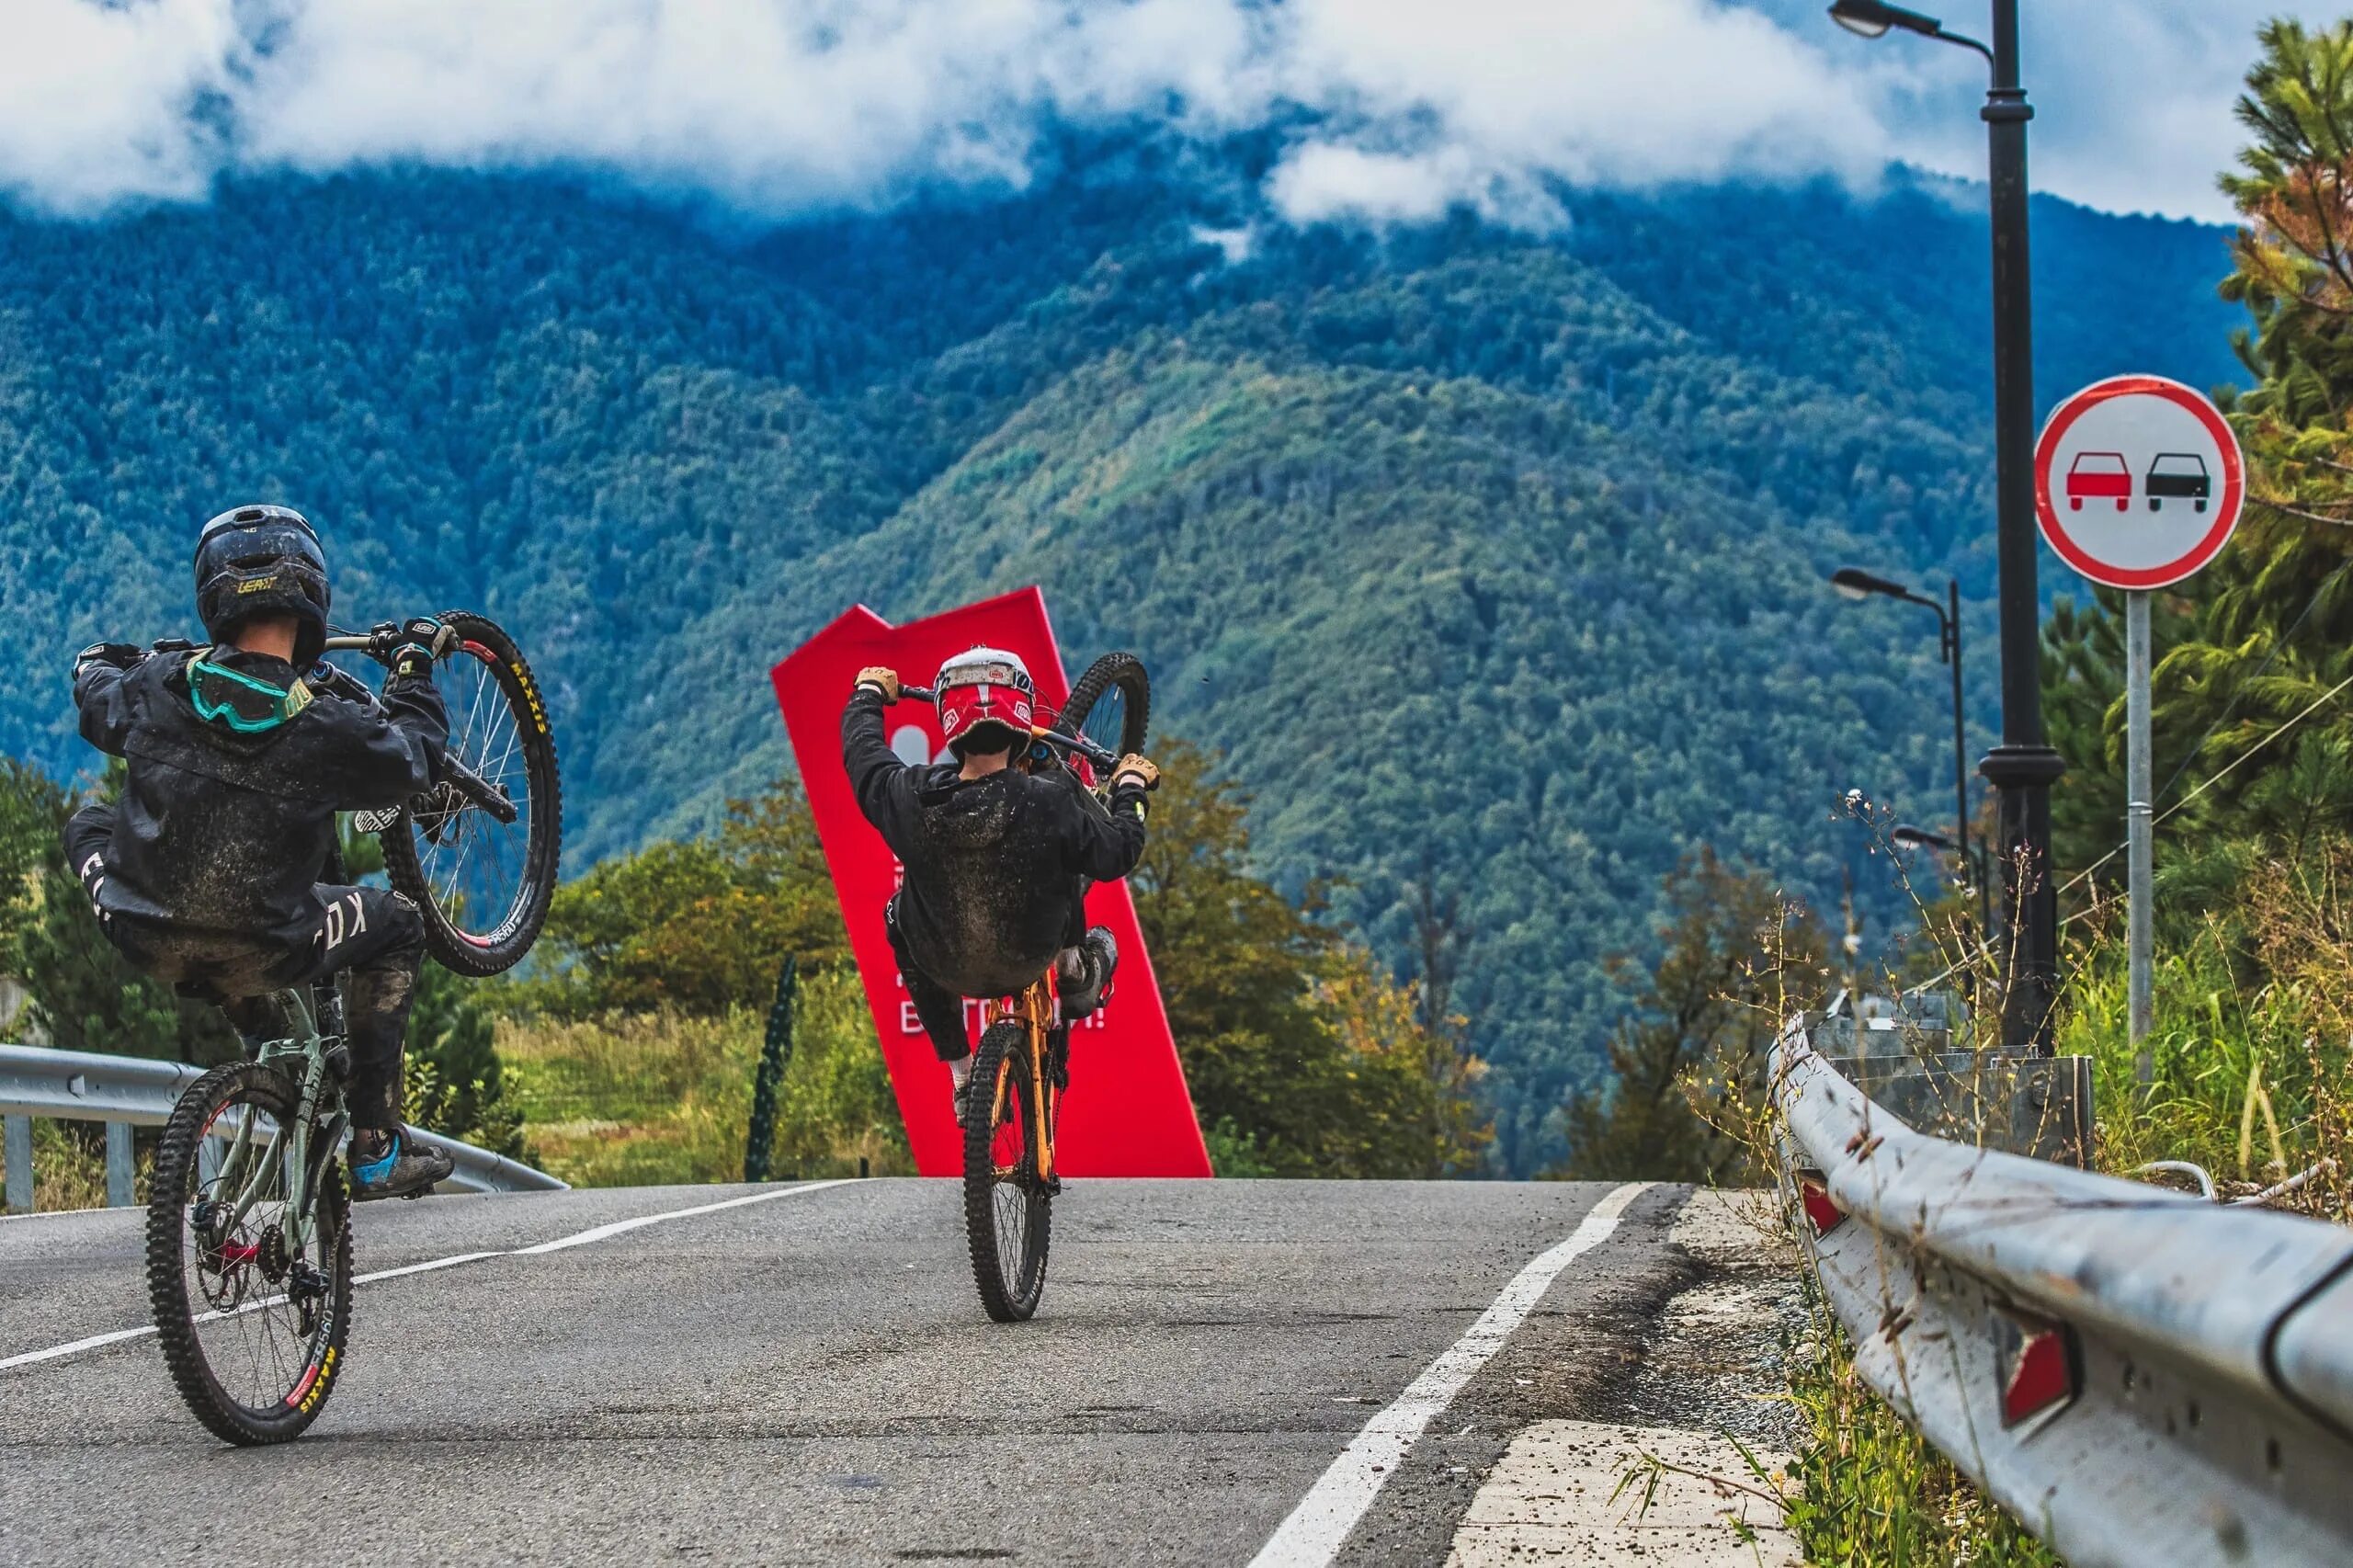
pixel 54 1351
pixel 583 1238
pixel 621 1226
pixel 1311 1536
pixel 423 1268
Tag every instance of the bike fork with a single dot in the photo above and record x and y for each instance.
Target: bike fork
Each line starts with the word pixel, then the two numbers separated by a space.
pixel 1038 1090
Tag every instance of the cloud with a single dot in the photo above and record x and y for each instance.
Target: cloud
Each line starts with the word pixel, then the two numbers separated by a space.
pixel 1393 110
pixel 1485 101
pixel 98 104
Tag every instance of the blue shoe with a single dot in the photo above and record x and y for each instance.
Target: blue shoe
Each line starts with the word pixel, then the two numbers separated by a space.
pixel 407 1168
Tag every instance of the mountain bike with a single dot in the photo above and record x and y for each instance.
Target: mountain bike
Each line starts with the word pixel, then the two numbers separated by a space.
pixel 248 1217
pixel 1023 1059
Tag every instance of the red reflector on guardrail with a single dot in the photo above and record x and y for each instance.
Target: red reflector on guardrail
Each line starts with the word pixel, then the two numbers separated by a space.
pixel 1823 1214
pixel 2041 1368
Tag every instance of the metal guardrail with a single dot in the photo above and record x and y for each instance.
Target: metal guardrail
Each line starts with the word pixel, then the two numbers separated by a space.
pixel 2137 1375
pixel 127 1091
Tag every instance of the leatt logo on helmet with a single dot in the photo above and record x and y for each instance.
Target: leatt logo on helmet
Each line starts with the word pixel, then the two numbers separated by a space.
pixel 257 586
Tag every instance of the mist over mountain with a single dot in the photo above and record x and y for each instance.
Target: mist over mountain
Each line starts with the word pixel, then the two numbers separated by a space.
pixel 1486 556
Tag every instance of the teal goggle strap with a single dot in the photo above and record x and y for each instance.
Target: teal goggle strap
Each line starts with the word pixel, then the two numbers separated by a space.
pixel 242 703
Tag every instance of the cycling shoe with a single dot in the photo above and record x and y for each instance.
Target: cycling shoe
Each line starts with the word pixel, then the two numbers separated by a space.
pixel 1099 954
pixel 408 1168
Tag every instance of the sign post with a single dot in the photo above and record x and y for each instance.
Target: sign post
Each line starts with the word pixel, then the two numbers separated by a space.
pixel 2138 482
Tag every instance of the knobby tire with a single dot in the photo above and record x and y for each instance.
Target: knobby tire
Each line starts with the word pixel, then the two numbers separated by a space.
pixel 1120 674
pixel 173 1186
pixel 1010 1271
pixel 487 942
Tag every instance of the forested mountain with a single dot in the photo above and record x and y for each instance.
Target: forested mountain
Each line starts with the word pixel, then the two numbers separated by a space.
pixel 1484 558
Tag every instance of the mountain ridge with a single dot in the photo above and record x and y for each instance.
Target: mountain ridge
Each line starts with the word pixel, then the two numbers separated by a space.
pixel 1481 557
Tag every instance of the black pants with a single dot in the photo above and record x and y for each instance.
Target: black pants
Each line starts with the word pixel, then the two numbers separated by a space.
pixel 374 937
pixel 939 1009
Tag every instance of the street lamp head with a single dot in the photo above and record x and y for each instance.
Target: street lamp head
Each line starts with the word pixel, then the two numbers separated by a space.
pixel 1870 18
pixel 1854 583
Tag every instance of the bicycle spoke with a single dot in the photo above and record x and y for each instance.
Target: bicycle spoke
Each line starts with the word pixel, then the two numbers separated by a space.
pixel 477 867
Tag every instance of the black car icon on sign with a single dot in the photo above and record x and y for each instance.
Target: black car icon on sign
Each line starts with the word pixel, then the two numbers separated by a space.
pixel 2177 476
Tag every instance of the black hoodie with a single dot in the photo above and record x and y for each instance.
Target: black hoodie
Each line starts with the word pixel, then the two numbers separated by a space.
pixel 225 834
pixel 994 865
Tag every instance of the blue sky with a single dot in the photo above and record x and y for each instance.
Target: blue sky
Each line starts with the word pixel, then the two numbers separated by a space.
pixel 1406 106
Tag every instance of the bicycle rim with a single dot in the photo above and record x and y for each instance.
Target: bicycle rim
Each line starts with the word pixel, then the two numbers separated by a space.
pixel 484 884
pixel 1110 703
pixel 251 1306
pixel 1008 1209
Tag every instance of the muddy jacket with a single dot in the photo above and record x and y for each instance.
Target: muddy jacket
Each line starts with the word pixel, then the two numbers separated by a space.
pixel 225 834
pixel 992 865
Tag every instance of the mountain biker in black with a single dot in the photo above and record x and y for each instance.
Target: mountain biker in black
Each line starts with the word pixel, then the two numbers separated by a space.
pixel 219 871
pixel 997 855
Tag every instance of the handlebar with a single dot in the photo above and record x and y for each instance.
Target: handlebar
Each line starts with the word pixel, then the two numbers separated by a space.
pixel 472 785
pixel 1102 757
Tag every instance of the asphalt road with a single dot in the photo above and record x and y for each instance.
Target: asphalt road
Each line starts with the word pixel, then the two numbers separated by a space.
pixel 810 1380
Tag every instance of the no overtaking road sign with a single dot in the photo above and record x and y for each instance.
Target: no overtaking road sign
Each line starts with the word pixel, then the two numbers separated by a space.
pixel 2138 482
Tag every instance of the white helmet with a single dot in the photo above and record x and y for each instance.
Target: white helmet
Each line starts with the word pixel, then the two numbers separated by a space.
pixel 980 688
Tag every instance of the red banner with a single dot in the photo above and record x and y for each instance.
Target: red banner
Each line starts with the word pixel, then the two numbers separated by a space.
pixel 1128 1113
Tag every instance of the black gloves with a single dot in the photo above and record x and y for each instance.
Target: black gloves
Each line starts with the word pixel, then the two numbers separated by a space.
pixel 122 655
pixel 409 649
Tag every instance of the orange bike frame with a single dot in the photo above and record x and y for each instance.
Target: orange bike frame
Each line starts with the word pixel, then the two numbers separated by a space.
pixel 1035 1010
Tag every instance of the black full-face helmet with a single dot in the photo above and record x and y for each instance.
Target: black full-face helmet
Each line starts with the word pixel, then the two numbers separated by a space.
pixel 263 561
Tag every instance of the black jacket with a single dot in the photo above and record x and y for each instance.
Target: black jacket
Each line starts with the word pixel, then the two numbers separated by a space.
pixel 225 834
pixel 992 865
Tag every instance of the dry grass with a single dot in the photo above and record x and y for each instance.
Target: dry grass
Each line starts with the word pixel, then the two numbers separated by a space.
pixel 2252 1047
pixel 665 1098
pixel 70 1167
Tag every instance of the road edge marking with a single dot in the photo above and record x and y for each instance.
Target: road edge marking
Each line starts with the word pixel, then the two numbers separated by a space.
pixel 1313 1532
pixel 580 1238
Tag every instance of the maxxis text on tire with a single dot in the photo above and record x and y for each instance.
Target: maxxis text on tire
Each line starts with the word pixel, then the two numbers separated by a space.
pixel 171 1186
pixel 511 931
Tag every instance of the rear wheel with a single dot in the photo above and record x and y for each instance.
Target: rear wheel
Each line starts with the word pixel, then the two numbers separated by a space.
pixel 1111 704
pixel 1008 1209
pixel 483 884
pixel 252 1322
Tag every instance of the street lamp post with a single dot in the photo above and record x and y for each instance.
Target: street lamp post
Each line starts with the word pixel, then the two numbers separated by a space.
pixel 2022 769
pixel 1854 583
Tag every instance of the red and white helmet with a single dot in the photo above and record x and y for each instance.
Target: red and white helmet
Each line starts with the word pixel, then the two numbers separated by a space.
pixel 981 689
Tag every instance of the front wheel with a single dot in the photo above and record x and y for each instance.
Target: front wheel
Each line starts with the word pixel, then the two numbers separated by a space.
pixel 248 1264
pixel 1008 1210
pixel 484 883
pixel 1111 704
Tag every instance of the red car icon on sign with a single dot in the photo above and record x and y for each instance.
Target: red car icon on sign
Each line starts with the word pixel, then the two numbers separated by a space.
pixel 2104 476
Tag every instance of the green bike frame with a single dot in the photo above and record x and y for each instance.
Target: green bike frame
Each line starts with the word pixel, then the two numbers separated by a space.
pixel 254 1161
